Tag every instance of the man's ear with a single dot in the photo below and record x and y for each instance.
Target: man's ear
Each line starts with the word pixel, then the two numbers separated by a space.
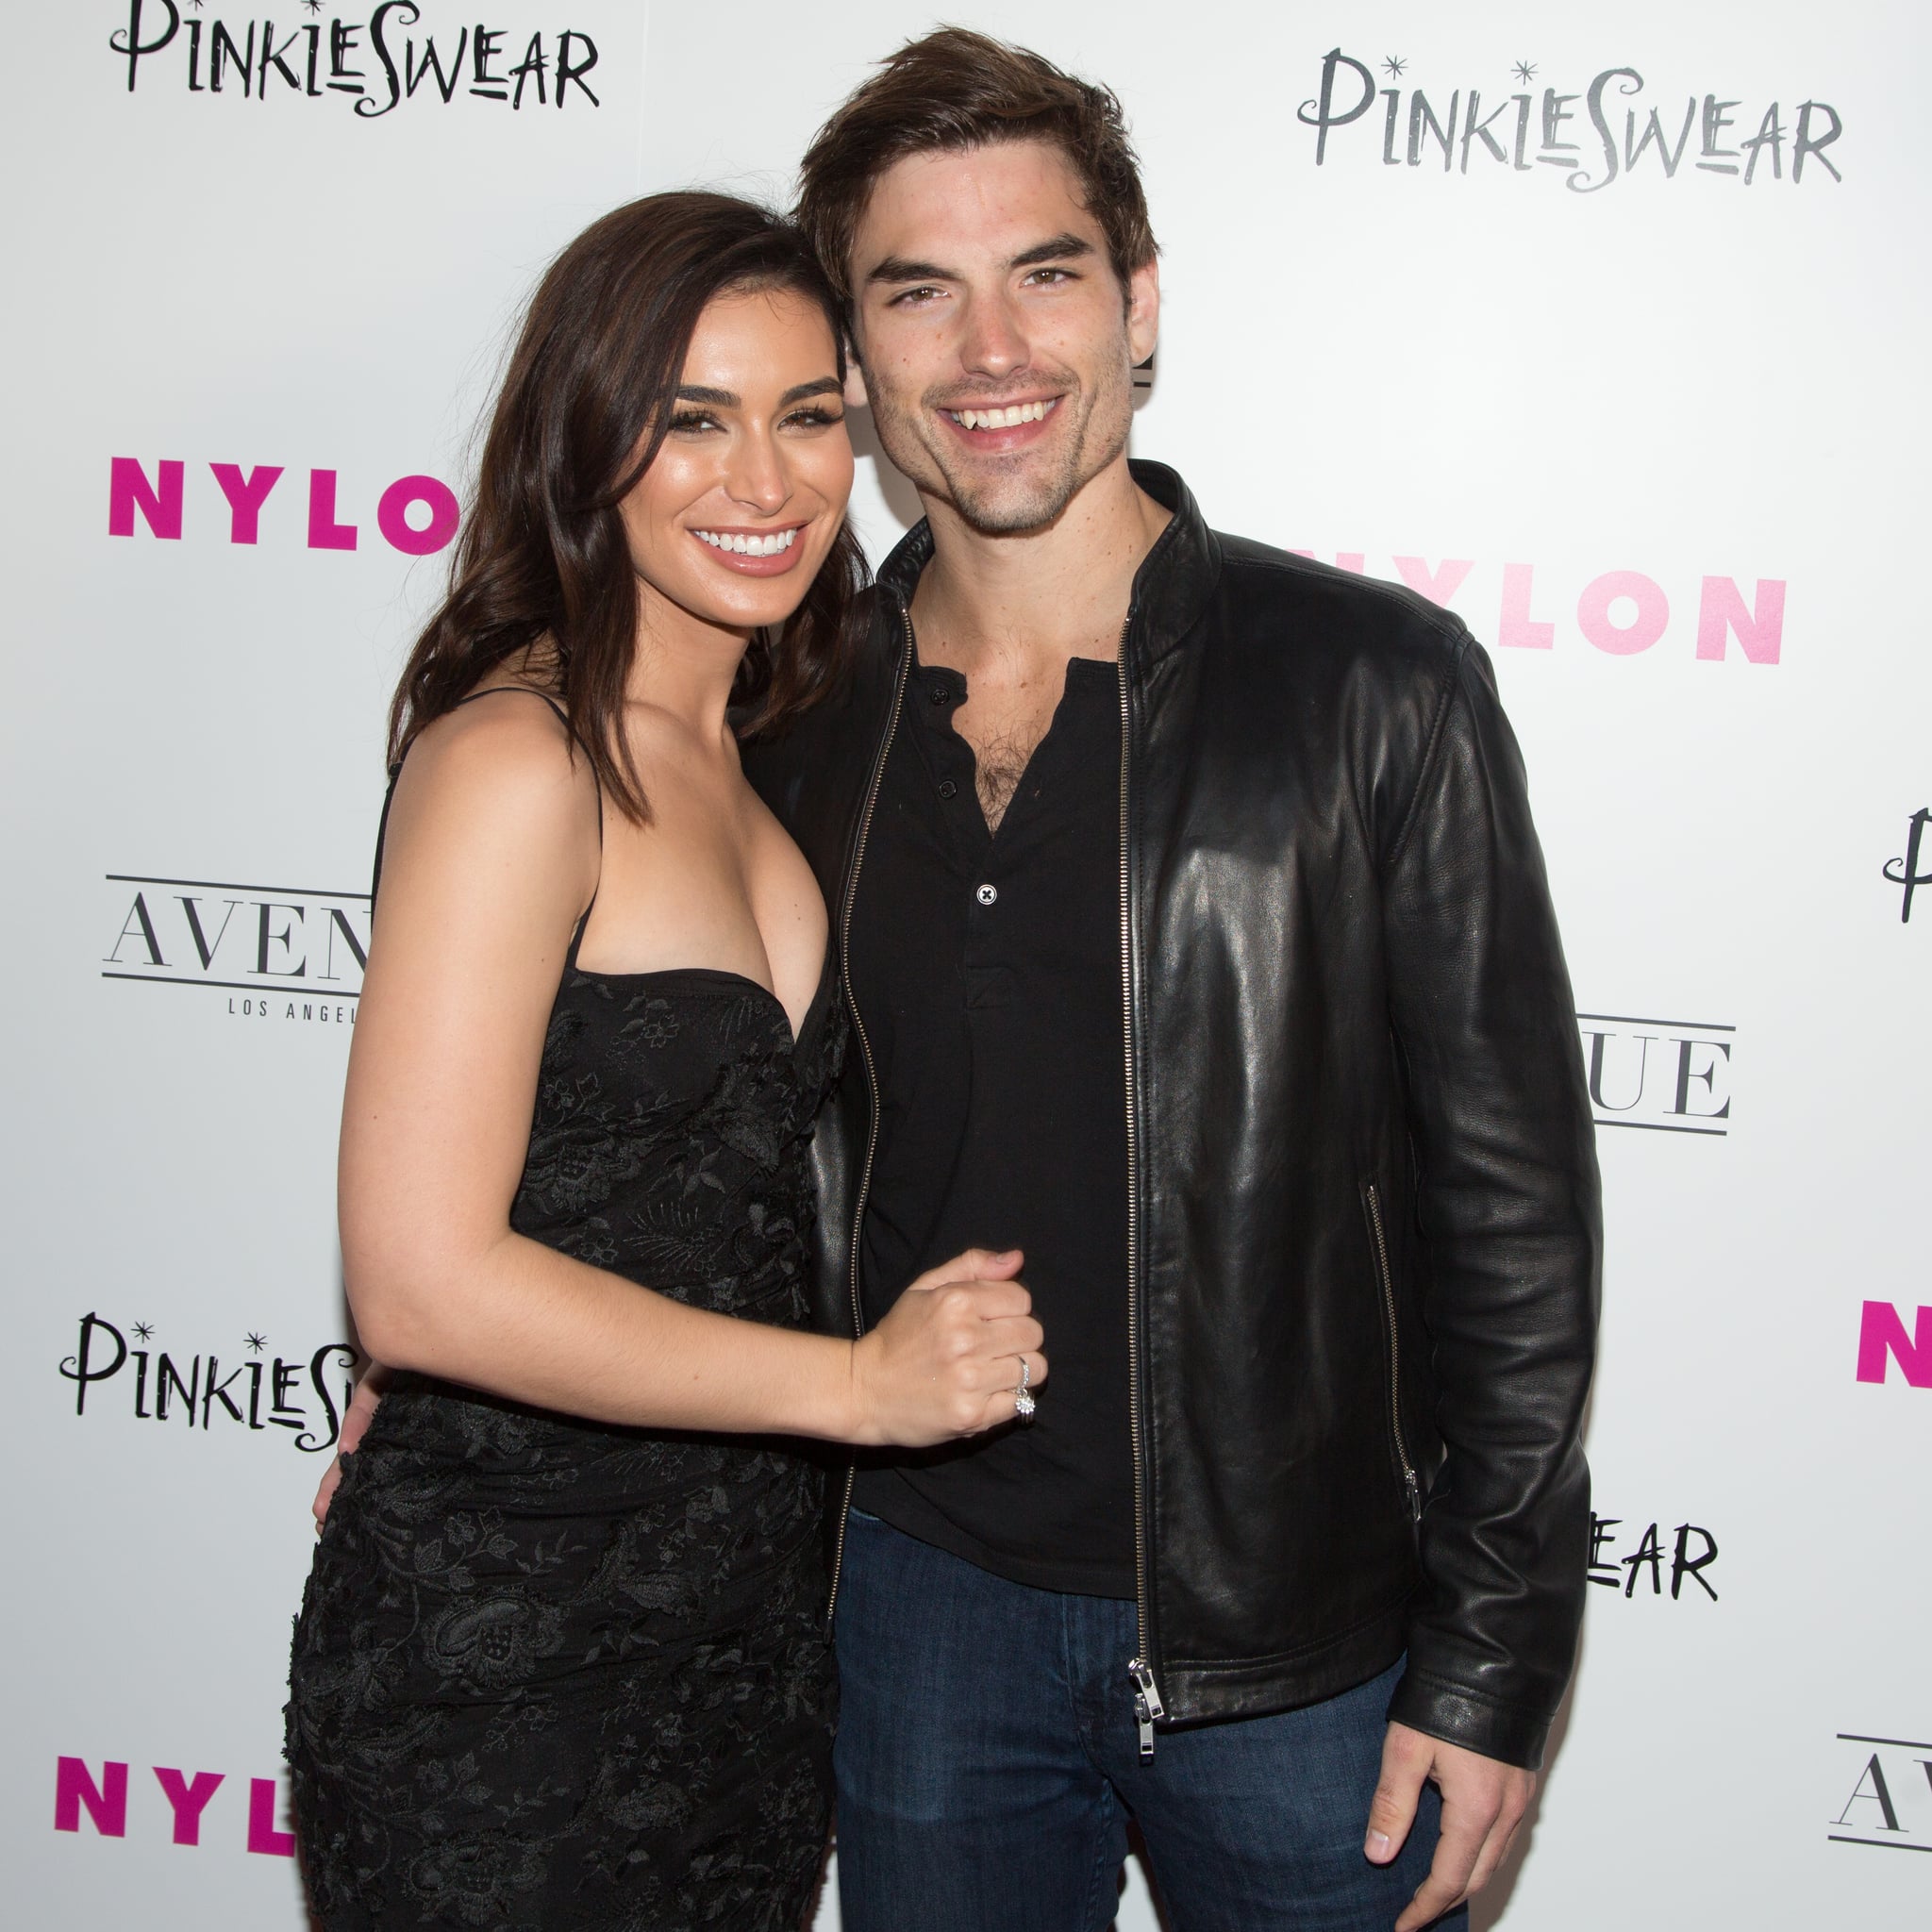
pixel 855 396
pixel 1143 310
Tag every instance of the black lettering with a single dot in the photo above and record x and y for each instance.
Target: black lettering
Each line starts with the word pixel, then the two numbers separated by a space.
pixel 1556 111
pixel 1681 1565
pixel 566 73
pixel 485 46
pixel 314 1443
pixel 1716 117
pixel 1879 1794
pixel 213 1391
pixel 341 43
pixel 412 74
pixel 1632 83
pixel 166 1373
pixel 204 946
pixel 237 57
pixel 1600 1540
pixel 1770 134
pixel 1474 129
pixel 137 915
pixel 1653 131
pixel 1393 96
pixel 530 67
pixel 79 1367
pixel 1802 143
pixel 1908 875
pixel 272 56
pixel 1420 113
pixel 1645 1042
pixel 265 938
pixel 1686 1074
pixel 131 42
pixel 366 107
pixel 284 1413
pixel 339 922
pixel 1649 1551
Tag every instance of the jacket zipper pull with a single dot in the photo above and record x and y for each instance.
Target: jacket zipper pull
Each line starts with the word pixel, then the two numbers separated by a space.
pixel 1147 1706
pixel 1415 1495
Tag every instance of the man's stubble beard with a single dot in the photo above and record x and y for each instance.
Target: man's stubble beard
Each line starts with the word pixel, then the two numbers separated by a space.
pixel 1006 507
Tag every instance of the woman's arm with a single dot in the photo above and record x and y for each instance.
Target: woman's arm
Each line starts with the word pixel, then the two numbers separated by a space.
pixel 490 856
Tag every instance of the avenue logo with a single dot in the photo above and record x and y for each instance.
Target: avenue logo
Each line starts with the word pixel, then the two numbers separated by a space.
pixel 1517 128
pixel 103 1800
pixel 1904 871
pixel 278 951
pixel 1619 612
pixel 1686 1557
pixel 369 60
pixel 1890 1801
pixel 260 1394
pixel 1670 1076
pixel 1883 1341
pixel 417 515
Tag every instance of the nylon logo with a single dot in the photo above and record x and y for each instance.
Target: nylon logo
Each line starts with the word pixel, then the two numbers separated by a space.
pixel 103 1801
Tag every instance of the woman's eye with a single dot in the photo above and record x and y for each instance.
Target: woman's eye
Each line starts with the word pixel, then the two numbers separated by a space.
pixel 691 420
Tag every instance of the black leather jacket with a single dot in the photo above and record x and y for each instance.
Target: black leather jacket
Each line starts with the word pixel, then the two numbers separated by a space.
pixel 1364 1230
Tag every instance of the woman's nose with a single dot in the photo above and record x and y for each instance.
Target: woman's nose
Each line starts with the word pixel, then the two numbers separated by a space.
pixel 757 476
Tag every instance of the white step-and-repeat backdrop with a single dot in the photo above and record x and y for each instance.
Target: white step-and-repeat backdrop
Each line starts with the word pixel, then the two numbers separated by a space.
pixel 1607 332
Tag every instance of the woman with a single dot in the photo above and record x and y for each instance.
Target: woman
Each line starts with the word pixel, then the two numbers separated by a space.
pixel 562 1661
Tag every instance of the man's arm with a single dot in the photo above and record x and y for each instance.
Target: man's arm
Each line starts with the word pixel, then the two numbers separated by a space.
pixel 1507 1201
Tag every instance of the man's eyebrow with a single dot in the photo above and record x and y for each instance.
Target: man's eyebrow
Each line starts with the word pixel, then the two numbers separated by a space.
pixel 1062 248
pixel 898 268
pixel 726 399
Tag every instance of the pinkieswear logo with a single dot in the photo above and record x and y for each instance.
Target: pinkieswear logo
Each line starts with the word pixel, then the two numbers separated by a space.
pixel 371 61
pixel 1587 134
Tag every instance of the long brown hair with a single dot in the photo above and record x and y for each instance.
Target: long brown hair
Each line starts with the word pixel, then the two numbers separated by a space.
pixel 542 555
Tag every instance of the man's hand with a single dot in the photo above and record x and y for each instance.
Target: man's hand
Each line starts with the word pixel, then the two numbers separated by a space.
pixel 354 1421
pixel 1483 1803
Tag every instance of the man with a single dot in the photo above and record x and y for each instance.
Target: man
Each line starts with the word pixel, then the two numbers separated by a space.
pixel 1197 943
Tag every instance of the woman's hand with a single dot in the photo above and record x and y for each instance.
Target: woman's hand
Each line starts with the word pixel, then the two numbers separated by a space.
pixel 945 1361
pixel 354 1421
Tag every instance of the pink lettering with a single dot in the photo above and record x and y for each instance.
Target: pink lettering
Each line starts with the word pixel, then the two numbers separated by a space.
pixel 1516 629
pixel 246 496
pixel 189 1798
pixel 1350 559
pixel 391 515
pixel 1881 1332
pixel 1438 585
pixel 1760 630
pixel 160 504
pixel 106 1804
pixel 324 533
pixel 1621 640
pixel 262 1835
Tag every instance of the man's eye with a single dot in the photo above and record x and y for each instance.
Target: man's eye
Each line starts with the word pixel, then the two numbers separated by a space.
pixel 923 293
pixel 1050 277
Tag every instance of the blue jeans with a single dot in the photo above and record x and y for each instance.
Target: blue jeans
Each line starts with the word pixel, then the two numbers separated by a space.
pixel 989 1765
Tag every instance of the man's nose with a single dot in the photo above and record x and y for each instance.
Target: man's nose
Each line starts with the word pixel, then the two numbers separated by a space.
pixel 992 342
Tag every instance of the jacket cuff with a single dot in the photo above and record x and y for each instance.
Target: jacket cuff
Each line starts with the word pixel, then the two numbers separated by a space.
pixel 1505 1732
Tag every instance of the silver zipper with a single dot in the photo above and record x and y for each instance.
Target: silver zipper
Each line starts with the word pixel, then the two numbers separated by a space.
pixel 872 1077
pixel 1147 1704
pixel 1409 1484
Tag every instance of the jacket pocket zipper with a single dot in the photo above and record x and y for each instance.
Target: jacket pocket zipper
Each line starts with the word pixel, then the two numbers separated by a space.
pixel 1413 1490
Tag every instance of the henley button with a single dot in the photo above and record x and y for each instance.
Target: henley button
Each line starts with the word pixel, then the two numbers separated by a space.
pixel 947 788
pixel 987 894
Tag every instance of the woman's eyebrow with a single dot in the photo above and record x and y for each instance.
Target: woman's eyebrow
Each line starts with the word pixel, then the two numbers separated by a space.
pixel 728 399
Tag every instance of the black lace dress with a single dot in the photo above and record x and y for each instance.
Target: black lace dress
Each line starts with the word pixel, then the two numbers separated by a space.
pixel 549 1674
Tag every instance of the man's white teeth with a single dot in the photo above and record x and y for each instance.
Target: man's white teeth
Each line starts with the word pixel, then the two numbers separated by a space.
pixel 741 546
pixel 1001 419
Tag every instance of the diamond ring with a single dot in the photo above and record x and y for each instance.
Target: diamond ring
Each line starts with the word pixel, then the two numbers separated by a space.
pixel 1024 1404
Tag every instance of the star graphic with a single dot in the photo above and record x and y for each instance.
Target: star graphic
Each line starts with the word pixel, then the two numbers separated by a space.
pixel 195 4
pixel 1395 66
pixel 142 1330
pixel 1525 70
pixel 254 1343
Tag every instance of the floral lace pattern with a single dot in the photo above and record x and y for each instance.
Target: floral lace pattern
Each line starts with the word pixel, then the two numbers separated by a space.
pixel 552 1673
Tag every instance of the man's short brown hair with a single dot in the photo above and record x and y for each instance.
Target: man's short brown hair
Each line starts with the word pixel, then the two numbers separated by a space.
pixel 952 91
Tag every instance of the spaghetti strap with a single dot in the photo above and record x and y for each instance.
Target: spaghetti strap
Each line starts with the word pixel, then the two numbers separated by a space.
pixel 395 771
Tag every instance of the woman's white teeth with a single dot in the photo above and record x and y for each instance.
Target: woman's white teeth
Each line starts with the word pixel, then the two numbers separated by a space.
pixel 1001 419
pixel 741 546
